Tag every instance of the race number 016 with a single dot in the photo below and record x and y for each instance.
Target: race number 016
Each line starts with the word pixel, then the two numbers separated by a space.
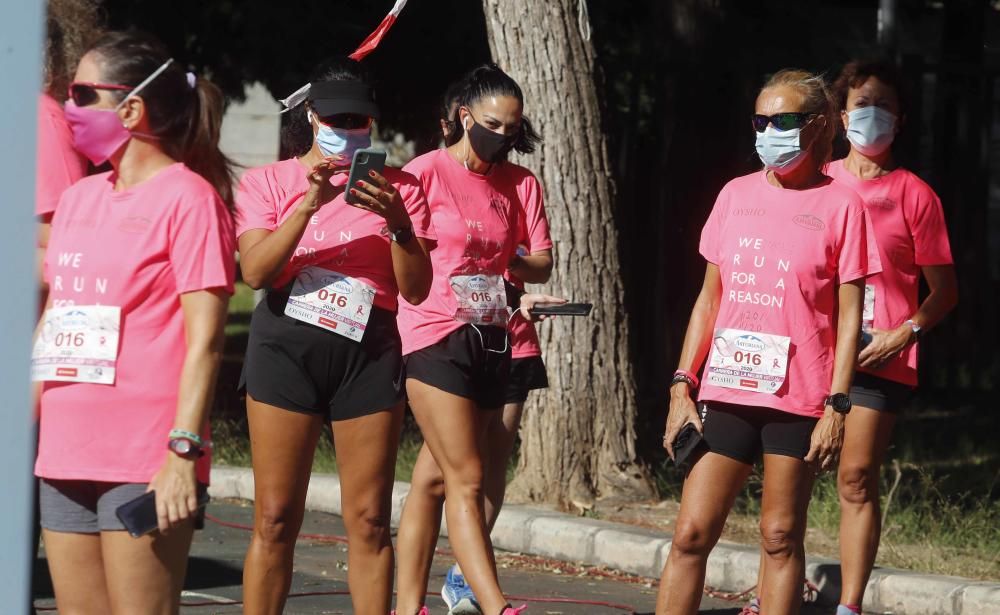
pixel 69 339
pixel 325 295
pixel 750 358
pixel 481 297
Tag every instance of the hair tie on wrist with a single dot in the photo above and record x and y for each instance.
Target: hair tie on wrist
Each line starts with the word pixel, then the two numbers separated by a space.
pixel 192 79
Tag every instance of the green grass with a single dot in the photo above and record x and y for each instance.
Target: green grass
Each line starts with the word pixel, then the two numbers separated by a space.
pixel 240 307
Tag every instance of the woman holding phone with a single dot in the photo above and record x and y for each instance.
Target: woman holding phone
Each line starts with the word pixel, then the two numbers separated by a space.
pixel 140 268
pixel 776 327
pixel 324 346
pixel 456 343
pixel 909 224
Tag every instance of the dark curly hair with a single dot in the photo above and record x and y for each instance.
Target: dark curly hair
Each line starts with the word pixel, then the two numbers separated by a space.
pixel 71 27
pixel 856 72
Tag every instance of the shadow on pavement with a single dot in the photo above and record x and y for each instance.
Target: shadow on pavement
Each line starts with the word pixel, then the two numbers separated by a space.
pixel 204 573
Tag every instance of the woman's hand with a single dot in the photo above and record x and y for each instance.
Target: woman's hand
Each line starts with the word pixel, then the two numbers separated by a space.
pixel 321 191
pixel 530 300
pixel 885 346
pixel 382 199
pixel 826 442
pixel 176 492
pixel 682 411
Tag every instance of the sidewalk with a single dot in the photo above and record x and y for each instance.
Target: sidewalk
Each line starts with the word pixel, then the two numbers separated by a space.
pixel 731 567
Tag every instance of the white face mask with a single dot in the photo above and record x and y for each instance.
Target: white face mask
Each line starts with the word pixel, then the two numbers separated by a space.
pixel 780 150
pixel 871 130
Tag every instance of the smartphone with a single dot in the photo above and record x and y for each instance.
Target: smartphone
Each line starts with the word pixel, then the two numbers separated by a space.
pixel 685 444
pixel 561 309
pixel 139 515
pixel 365 160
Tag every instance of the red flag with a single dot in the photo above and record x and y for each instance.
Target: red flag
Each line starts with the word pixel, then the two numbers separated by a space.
pixel 369 44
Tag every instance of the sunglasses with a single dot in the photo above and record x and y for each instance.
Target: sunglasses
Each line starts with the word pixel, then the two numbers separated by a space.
pixel 84 93
pixel 347 121
pixel 781 121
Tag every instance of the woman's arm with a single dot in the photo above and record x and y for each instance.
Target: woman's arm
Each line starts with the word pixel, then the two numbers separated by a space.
pixel 204 321
pixel 696 343
pixel 535 268
pixel 942 299
pixel 264 253
pixel 828 435
pixel 411 264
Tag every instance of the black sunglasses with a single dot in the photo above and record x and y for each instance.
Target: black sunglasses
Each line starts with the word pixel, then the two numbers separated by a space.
pixel 347 121
pixel 781 121
pixel 84 93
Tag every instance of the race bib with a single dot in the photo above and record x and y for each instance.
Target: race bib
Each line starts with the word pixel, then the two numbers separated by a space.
pixel 868 314
pixel 331 301
pixel 482 299
pixel 748 361
pixel 77 344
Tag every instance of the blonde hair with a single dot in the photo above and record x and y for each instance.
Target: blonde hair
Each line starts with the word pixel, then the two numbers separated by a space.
pixel 817 100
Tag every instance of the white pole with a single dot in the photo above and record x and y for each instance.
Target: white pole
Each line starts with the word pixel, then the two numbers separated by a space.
pixel 21 67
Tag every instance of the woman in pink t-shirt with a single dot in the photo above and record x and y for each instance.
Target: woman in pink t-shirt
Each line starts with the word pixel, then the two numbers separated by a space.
pixel 533 260
pixel 324 345
pixel 775 326
pixel 140 269
pixel 456 343
pixel 912 239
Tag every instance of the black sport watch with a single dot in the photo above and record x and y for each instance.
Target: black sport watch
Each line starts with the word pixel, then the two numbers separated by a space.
pixel 402 235
pixel 840 402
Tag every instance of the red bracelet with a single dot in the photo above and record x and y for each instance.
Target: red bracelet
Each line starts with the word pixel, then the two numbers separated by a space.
pixel 689 375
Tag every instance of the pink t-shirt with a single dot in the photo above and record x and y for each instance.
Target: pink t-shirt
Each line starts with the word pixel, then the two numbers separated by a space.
pixel 340 237
pixel 782 254
pixel 138 249
pixel 909 223
pixel 59 165
pixel 534 237
pixel 476 218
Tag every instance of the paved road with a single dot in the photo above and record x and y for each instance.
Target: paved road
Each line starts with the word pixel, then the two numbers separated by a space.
pixel 215 574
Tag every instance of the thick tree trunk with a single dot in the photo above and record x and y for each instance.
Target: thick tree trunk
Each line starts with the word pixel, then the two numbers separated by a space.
pixel 578 437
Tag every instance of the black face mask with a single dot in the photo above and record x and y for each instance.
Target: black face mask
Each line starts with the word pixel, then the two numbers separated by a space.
pixel 490 146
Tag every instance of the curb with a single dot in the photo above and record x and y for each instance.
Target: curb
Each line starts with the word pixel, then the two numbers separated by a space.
pixel 731 567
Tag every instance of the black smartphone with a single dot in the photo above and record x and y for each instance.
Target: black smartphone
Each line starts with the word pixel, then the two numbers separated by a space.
pixel 864 339
pixel 561 309
pixel 365 160
pixel 685 444
pixel 139 515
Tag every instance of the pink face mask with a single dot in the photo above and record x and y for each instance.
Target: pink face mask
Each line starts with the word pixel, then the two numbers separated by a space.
pixel 97 133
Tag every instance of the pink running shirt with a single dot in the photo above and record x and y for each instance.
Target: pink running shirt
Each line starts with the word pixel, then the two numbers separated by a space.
pixel 340 237
pixel 59 165
pixel 909 224
pixel 781 254
pixel 139 249
pixel 534 236
pixel 476 218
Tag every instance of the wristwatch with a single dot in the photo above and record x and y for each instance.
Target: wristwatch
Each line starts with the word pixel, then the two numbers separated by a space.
pixel 402 235
pixel 840 402
pixel 185 447
pixel 915 327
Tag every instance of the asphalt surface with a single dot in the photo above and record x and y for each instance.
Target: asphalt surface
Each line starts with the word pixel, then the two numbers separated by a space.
pixel 215 575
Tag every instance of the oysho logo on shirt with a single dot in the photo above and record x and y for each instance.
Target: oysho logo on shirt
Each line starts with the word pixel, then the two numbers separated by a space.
pixel 135 224
pixel 809 221
pixel 882 203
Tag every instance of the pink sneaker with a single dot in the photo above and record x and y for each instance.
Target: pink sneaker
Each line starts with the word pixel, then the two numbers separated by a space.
pixel 512 611
pixel 423 611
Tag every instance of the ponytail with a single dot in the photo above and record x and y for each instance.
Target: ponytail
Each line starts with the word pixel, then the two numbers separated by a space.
pixel 184 112
pixel 201 151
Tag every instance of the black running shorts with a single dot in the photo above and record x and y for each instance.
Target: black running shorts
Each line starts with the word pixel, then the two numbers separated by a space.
pixel 526 374
pixel 744 432
pixel 870 391
pixel 471 362
pixel 300 367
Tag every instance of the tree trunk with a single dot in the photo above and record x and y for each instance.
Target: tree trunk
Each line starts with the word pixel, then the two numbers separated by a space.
pixel 578 437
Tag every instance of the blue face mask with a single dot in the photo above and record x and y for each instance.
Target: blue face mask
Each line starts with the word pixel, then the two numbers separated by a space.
pixel 871 130
pixel 780 150
pixel 334 141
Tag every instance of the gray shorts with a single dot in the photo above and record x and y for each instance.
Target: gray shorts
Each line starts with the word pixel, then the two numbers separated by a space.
pixel 87 506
